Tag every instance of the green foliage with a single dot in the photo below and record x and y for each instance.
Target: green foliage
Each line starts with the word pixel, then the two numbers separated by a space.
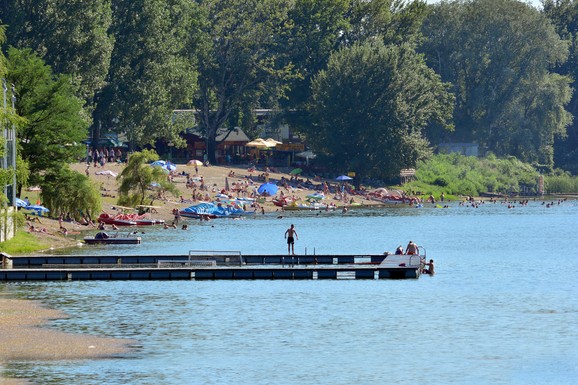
pixel 561 183
pixel 242 61
pixel 564 15
pixel 137 178
pixel 71 36
pixel 22 243
pixel 497 54
pixel 152 70
pixel 369 108
pixel 55 123
pixel 472 176
pixel 66 191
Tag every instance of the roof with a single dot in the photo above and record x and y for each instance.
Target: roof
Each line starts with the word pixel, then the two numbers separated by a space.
pixel 235 135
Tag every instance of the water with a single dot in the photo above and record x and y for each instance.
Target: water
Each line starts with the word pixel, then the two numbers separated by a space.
pixel 501 309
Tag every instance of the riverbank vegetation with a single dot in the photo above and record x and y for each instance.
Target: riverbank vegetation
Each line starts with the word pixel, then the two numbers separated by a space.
pixel 454 174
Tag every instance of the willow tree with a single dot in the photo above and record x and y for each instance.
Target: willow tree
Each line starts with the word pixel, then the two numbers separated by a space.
pixel 139 181
pixel 370 106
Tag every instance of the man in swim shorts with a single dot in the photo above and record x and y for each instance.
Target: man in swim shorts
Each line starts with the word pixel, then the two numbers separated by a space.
pixel 291 235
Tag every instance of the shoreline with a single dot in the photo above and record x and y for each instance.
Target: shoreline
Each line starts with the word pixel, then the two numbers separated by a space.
pixel 25 337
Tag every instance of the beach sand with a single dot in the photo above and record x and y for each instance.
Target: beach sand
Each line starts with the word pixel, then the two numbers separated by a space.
pixel 24 339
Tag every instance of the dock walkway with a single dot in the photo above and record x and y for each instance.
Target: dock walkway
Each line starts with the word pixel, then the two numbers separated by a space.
pixel 209 266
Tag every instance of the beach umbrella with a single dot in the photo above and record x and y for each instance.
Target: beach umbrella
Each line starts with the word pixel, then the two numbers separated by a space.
pixel 21 203
pixel 296 171
pixel 194 162
pixel 268 188
pixel 164 165
pixel 343 177
pixel 272 142
pixel 170 166
pixel 260 144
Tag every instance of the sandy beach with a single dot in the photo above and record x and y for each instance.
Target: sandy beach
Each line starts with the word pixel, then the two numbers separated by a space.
pixel 215 179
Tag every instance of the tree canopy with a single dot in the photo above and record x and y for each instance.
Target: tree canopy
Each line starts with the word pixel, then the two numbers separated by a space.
pixel 241 62
pixel 497 54
pixel 370 106
pixel 56 124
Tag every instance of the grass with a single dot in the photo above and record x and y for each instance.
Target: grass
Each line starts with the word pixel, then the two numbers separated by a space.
pixel 22 243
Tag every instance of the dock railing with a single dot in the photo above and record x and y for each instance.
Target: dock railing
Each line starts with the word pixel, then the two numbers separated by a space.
pixel 227 257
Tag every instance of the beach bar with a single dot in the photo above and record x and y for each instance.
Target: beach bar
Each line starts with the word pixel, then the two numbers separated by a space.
pixel 209 265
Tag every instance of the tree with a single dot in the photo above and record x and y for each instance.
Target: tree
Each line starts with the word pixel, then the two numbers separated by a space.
pixel 317 28
pixel 370 106
pixel 138 177
pixel 65 191
pixel 241 62
pixel 564 15
pixel 71 36
pixel 56 123
pixel 153 68
pixel 497 55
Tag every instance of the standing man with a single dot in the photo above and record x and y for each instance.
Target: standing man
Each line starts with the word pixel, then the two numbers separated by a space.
pixel 291 235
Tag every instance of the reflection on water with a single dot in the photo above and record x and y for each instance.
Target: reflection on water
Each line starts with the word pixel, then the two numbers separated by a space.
pixel 501 309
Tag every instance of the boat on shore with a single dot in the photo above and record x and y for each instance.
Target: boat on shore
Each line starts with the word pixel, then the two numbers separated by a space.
pixel 108 219
pixel 103 238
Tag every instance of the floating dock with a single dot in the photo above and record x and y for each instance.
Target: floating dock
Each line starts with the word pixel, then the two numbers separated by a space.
pixel 209 265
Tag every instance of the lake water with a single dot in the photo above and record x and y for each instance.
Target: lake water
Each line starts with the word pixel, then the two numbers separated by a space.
pixel 501 309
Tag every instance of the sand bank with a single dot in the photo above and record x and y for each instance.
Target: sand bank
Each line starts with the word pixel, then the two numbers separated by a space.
pixel 23 338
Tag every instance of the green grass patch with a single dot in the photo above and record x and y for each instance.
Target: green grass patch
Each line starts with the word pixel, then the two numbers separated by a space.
pixel 22 243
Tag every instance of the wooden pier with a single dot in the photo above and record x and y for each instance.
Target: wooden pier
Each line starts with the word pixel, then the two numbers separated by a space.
pixel 202 265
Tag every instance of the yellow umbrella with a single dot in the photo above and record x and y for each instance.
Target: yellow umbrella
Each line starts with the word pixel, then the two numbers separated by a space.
pixel 259 143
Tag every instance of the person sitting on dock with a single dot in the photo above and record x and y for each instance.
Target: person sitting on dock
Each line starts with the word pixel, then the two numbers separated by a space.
pixel 411 248
pixel 430 270
pixel 399 250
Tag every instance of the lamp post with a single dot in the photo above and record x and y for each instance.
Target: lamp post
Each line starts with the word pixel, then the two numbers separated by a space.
pixel 13 150
pixel 4 133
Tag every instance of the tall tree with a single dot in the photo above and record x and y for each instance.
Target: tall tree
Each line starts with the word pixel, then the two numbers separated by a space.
pixel 55 123
pixel 370 107
pixel 564 16
pixel 241 63
pixel 152 69
pixel 497 54
pixel 71 36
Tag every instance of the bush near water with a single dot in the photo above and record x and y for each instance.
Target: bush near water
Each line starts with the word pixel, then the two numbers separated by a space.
pixel 456 175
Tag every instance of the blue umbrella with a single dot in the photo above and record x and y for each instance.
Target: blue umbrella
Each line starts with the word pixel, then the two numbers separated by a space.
pixel 343 177
pixel 21 203
pixel 164 165
pixel 268 188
